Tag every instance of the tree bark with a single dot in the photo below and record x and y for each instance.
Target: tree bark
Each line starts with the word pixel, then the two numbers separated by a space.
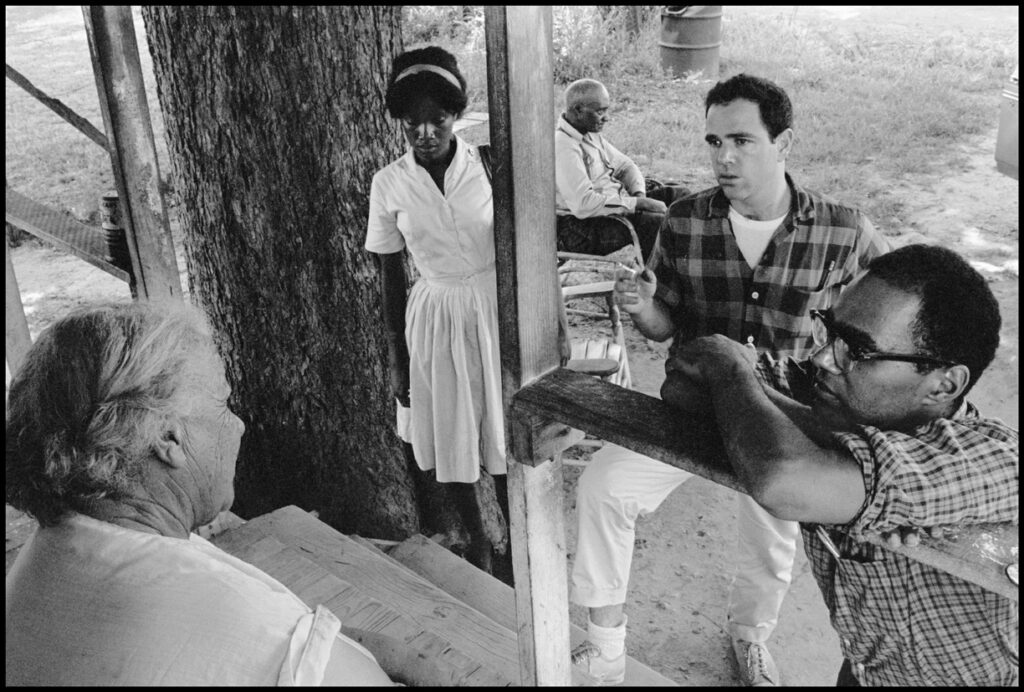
pixel 275 124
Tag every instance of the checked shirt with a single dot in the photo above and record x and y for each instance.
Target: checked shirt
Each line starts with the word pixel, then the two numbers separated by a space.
pixel 710 289
pixel 901 622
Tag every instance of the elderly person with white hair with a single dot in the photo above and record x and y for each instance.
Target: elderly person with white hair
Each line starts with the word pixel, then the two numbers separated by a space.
pixel 120 443
pixel 595 183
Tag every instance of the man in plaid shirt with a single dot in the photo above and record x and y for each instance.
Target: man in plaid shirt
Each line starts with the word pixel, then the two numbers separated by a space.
pixel 878 436
pixel 746 259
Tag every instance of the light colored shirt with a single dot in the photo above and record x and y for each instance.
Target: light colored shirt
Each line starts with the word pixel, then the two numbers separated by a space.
pixel 752 235
pixel 448 235
pixel 592 177
pixel 91 603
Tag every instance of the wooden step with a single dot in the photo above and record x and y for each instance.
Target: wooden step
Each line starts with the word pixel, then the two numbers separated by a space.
pixel 368 591
pixel 493 598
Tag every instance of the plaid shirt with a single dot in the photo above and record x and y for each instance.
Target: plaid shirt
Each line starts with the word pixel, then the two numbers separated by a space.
pixel 901 622
pixel 710 289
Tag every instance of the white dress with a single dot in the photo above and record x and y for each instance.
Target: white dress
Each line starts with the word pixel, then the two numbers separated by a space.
pixel 451 327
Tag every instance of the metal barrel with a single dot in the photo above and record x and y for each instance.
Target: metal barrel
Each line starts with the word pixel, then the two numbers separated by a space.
pixel 1007 146
pixel 117 241
pixel 691 36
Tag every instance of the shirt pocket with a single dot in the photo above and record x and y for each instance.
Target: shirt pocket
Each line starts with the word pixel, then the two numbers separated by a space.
pixel 815 280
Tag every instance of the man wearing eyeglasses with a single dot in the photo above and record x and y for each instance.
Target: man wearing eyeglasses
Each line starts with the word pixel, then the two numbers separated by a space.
pixel 873 433
pixel 748 259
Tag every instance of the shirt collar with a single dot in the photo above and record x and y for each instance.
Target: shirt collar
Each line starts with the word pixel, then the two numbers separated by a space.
pixel 566 127
pixel 801 206
pixel 458 161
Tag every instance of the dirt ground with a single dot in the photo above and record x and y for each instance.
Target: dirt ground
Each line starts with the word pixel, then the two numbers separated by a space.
pixel 681 569
pixel 683 556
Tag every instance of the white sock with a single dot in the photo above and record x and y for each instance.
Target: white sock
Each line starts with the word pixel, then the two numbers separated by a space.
pixel 611 640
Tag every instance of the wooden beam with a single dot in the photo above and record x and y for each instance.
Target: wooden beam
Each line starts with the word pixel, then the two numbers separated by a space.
pixel 63 232
pixel 976 553
pixel 369 591
pixel 17 337
pixel 58 107
pixel 521 107
pixel 122 94
pixel 494 599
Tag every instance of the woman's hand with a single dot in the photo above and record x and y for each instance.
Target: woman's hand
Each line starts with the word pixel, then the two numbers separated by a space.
pixel 398 372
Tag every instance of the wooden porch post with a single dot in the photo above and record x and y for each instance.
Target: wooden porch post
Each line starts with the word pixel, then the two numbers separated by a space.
pixel 18 340
pixel 521 107
pixel 122 94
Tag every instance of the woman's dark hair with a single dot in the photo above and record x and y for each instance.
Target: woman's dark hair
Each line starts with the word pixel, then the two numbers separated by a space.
pixel 959 317
pixel 774 105
pixel 403 93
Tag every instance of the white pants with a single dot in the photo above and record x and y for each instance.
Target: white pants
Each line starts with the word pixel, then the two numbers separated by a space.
pixel 619 485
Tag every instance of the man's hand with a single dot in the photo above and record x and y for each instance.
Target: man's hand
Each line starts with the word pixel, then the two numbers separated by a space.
pixel 910 536
pixel 634 290
pixel 709 357
pixel 683 393
pixel 650 205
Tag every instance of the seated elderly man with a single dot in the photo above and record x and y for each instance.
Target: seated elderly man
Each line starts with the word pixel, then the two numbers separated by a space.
pixel 120 443
pixel 879 436
pixel 595 183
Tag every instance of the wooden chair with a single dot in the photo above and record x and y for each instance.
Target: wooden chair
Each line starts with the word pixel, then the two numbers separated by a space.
pixel 603 357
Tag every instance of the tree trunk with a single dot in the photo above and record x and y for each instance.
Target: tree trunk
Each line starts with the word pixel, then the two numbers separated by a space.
pixel 275 124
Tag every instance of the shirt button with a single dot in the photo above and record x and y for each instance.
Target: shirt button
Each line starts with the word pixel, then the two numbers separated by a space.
pixel 750 340
pixel 755 295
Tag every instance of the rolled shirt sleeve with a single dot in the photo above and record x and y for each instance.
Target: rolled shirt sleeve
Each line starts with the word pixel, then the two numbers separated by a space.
pixel 382 234
pixel 951 471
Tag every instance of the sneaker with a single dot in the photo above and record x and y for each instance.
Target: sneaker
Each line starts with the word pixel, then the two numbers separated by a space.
pixel 598 670
pixel 757 667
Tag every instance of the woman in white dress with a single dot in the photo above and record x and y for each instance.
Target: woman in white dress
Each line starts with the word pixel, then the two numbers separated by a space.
pixel 436 203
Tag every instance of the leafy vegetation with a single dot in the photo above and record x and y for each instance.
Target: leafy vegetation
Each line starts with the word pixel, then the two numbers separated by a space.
pixel 870 108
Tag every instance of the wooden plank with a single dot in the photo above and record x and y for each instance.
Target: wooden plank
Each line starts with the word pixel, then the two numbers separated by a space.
pixel 495 599
pixel 122 94
pixel 17 338
pixel 394 602
pixel 521 103
pixel 977 553
pixel 535 441
pixel 317 585
pixel 58 107
pixel 469 120
pixel 61 231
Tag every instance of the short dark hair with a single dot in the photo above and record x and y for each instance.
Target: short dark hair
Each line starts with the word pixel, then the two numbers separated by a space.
pixel 959 316
pixel 772 101
pixel 402 94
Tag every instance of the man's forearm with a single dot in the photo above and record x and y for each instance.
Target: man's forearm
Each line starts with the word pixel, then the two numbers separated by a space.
pixel 654 321
pixel 783 466
pixel 801 415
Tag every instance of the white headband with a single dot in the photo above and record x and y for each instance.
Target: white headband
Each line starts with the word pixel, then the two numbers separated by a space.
pixel 415 69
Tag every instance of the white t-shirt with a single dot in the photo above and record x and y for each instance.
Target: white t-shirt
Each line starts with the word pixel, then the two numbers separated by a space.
pixel 752 235
pixel 90 603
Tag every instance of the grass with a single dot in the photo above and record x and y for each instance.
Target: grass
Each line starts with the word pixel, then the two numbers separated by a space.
pixel 47 158
pixel 870 109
